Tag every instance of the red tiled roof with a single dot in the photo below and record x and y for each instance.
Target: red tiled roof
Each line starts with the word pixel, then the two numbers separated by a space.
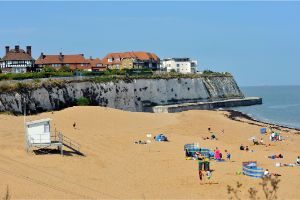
pixel 139 55
pixel 94 61
pixel 61 59
pixel 17 55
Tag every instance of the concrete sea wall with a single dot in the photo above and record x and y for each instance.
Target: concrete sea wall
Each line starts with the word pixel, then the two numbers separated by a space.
pixel 248 101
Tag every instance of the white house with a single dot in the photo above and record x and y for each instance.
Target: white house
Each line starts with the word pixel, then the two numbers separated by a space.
pixel 180 65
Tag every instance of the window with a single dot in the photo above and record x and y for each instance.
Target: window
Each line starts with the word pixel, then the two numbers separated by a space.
pixel 109 59
pixel 46 128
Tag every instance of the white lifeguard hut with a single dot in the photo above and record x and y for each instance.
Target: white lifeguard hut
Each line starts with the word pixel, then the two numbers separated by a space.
pixel 38 135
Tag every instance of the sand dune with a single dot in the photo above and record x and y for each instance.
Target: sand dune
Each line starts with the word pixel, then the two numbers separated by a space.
pixel 116 168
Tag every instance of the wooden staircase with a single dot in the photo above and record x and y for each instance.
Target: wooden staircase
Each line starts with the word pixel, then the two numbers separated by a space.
pixel 69 143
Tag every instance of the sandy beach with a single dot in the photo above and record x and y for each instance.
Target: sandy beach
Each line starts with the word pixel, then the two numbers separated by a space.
pixel 115 168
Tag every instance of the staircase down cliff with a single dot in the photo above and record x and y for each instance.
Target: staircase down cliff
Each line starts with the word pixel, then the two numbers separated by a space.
pixel 132 95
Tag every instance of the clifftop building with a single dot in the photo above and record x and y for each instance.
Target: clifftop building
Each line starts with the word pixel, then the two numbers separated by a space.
pixel 96 64
pixel 75 61
pixel 17 60
pixel 180 65
pixel 129 60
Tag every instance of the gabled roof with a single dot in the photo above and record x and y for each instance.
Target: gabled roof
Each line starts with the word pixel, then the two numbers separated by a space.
pixel 139 55
pixel 94 61
pixel 17 55
pixel 61 59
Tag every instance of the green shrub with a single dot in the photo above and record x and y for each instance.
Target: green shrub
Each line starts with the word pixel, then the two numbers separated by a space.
pixel 82 101
pixel 212 73
pixel 64 69
pixel 115 72
pixel 7 87
pixel 48 69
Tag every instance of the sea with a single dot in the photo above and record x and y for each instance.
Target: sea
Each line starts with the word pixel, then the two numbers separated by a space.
pixel 281 104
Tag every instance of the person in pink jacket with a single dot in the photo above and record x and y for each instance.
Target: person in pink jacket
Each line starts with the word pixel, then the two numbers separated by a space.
pixel 217 154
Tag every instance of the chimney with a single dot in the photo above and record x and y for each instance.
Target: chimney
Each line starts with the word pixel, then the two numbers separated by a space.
pixel 91 58
pixel 42 55
pixel 28 50
pixel 17 48
pixel 7 49
pixel 61 56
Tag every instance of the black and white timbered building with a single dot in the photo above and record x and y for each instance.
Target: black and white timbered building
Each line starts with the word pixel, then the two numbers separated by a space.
pixel 17 60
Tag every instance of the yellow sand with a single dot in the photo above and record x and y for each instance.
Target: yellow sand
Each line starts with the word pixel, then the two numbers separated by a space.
pixel 115 167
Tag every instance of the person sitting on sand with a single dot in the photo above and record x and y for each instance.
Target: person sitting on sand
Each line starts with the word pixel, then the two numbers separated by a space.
pixel 262 141
pixel 242 148
pixel 247 148
pixel 213 137
pixel 255 142
pixel 217 154
pixel 279 156
pixel 272 137
pixel 276 156
pixel 266 173
pixel 298 160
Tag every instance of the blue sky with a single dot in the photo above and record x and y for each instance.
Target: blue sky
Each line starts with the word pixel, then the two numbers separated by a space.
pixel 258 42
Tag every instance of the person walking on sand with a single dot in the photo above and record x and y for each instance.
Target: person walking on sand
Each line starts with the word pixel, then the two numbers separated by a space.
pixel 209 129
pixel 74 125
pixel 228 155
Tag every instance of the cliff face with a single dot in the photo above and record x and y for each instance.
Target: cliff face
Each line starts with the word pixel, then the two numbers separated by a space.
pixel 135 95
